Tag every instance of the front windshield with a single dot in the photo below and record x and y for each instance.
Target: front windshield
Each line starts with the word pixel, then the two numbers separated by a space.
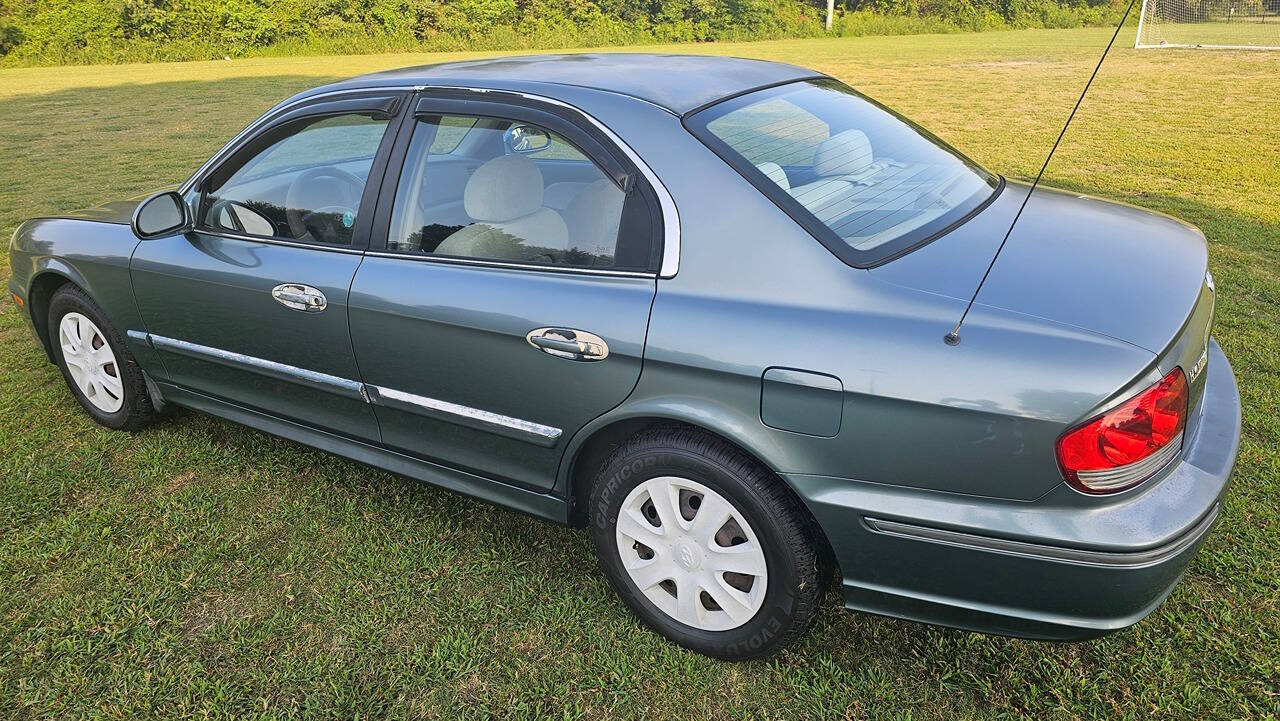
pixel 864 180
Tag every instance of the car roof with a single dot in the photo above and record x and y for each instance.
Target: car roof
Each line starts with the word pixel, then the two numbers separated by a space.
pixel 678 83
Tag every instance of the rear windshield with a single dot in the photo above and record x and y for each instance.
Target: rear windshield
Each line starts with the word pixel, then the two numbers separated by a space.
pixel 868 183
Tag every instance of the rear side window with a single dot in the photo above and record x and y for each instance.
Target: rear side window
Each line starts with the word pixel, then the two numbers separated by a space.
pixel 513 192
pixel 865 181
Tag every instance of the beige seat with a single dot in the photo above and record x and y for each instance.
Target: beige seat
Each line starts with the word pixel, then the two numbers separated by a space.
pixel 846 153
pixel 841 162
pixel 557 196
pixel 593 217
pixel 504 199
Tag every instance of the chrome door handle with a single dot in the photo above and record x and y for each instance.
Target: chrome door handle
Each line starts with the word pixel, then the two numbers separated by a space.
pixel 572 344
pixel 300 297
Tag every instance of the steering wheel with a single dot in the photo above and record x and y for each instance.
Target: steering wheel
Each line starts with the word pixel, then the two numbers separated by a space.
pixel 319 223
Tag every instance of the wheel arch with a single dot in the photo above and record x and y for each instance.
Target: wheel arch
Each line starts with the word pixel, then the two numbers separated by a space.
pixel 593 444
pixel 51 275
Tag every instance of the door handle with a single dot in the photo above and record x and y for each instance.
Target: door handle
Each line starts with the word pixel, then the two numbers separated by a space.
pixel 572 344
pixel 300 297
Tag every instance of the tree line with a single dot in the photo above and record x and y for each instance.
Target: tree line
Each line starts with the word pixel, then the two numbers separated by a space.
pixel 80 31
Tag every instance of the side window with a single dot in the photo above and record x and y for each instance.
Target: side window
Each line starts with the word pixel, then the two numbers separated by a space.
pixel 507 191
pixel 304 185
pixel 452 129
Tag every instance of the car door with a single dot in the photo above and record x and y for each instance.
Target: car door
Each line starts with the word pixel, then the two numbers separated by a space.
pixel 251 307
pixel 490 326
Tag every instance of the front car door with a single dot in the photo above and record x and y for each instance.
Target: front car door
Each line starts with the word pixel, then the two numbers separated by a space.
pixel 505 299
pixel 251 307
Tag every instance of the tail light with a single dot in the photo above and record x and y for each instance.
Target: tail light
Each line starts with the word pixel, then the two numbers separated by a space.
pixel 1129 443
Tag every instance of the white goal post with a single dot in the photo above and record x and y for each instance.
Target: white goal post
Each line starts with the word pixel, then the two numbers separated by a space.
pixel 1226 24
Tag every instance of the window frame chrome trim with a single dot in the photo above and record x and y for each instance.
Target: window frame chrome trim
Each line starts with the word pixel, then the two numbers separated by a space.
pixel 500 264
pixel 497 423
pixel 279 241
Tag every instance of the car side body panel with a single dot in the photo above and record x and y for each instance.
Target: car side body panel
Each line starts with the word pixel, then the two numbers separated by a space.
pixel 92 253
pixel 455 337
pixel 203 296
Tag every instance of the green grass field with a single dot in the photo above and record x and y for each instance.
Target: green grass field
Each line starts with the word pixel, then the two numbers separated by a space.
pixel 200 569
pixel 1261 31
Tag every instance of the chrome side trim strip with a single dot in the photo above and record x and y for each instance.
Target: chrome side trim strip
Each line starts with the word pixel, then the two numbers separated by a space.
pixel 670 216
pixel 1051 553
pixel 280 371
pixel 516 428
pixel 450 260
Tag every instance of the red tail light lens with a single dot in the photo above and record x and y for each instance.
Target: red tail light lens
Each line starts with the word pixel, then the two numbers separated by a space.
pixel 1126 445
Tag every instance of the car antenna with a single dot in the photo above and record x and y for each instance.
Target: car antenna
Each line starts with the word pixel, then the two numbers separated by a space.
pixel 953 338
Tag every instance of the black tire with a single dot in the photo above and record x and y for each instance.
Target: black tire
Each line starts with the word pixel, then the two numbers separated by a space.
pixel 793 549
pixel 137 411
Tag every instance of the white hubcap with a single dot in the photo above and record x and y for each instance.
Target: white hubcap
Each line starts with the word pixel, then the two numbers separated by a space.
pixel 92 365
pixel 692 553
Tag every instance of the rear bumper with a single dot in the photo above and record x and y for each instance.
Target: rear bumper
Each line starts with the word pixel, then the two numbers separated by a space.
pixel 1063 567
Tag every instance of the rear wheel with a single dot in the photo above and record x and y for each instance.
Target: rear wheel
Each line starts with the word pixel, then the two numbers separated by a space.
pixel 705 545
pixel 95 363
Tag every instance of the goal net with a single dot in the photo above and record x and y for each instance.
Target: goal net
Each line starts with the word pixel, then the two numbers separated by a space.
pixel 1236 24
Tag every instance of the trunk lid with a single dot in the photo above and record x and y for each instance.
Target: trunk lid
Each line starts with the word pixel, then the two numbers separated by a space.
pixel 1110 268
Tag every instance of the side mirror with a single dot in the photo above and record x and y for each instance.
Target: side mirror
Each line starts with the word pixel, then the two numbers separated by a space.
pixel 525 139
pixel 160 215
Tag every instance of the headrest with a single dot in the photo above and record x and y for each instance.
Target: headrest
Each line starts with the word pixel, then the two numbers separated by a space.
pixel 502 189
pixel 774 172
pixel 594 214
pixel 845 153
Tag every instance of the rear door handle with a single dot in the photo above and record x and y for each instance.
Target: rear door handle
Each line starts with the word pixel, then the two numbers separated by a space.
pixel 571 344
pixel 300 297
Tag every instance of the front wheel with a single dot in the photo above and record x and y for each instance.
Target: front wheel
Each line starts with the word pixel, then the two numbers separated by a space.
pixel 98 368
pixel 705 545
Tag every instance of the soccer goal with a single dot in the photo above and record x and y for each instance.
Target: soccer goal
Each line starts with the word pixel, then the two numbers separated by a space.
pixel 1228 24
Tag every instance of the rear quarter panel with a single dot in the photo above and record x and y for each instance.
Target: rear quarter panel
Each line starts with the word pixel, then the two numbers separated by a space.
pixel 755 291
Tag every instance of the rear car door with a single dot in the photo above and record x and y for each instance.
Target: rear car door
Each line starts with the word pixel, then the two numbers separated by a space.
pixel 251 307
pixel 505 299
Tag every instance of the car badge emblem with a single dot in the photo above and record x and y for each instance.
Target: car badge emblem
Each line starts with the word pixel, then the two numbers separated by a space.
pixel 1198 367
pixel 1200 363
